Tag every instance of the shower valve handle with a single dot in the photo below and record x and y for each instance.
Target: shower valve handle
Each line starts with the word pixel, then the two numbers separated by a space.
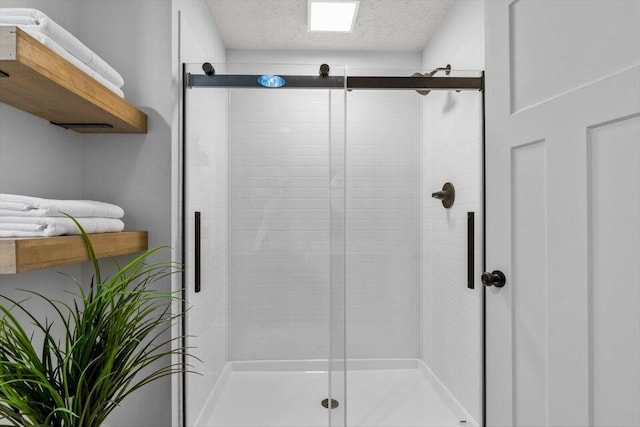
pixel 447 195
pixel 440 195
pixel 495 278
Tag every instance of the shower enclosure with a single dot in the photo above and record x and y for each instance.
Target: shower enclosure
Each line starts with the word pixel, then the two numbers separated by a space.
pixel 310 243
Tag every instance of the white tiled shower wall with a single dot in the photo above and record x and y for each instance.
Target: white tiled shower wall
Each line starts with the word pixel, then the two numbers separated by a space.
pixel 279 224
pixel 452 129
pixel 382 226
pixel 280 220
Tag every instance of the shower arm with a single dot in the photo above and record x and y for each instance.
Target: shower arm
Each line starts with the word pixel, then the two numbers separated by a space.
pixel 446 69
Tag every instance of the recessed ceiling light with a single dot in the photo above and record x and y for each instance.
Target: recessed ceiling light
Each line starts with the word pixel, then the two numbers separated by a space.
pixel 332 15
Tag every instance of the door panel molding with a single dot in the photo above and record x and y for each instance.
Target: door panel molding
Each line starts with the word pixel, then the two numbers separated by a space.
pixel 529 283
pixel 614 297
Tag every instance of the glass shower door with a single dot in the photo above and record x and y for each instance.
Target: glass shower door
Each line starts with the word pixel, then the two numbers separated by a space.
pixel 263 170
pixel 413 315
pixel 205 199
pixel 383 228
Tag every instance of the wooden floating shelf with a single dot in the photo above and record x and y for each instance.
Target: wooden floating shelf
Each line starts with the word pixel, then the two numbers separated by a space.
pixel 26 254
pixel 34 78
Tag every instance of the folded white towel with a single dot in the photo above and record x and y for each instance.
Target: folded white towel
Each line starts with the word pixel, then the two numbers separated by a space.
pixel 72 59
pixel 25 206
pixel 50 226
pixel 43 24
pixel 17 20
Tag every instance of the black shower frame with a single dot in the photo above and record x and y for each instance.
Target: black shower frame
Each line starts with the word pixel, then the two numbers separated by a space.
pixel 337 82
pixel 210 80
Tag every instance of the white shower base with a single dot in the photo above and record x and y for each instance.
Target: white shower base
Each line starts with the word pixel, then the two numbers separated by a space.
pixel 389 393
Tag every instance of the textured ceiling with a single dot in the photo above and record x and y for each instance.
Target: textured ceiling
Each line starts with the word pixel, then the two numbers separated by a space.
pixel 383 25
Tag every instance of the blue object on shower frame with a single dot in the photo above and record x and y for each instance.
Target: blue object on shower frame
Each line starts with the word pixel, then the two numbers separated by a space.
pixel 269 80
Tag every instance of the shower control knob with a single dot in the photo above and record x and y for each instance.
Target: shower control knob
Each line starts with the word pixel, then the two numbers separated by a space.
pixel 495 278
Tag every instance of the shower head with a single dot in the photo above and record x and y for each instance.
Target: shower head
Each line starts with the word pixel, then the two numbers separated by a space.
pixel 431 73
pixel 421 91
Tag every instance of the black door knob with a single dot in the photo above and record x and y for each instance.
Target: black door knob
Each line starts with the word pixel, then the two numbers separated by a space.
pixel 495 278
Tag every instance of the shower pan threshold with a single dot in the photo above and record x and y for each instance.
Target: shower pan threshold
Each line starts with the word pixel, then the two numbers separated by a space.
pixel 288 393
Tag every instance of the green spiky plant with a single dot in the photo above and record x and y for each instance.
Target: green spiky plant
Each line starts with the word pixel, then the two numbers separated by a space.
pixel 111 336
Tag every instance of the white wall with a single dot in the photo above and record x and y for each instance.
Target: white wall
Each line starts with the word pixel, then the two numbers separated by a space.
pixel 281 223
pixel 452 131
pixel 134 171
pixel 207 184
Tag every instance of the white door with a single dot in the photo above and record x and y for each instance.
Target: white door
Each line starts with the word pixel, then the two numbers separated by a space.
pixel 563 212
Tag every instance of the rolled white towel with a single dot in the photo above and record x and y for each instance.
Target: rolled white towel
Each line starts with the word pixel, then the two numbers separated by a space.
pixel 26 206
pixel 55 226
pixel 42 23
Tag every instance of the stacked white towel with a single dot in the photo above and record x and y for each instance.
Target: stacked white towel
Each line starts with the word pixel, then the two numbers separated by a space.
pixel 55 226
pixel 45 30
pixel 25 216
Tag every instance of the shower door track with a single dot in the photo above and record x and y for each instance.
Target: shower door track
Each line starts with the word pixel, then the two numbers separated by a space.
pixel 338 82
